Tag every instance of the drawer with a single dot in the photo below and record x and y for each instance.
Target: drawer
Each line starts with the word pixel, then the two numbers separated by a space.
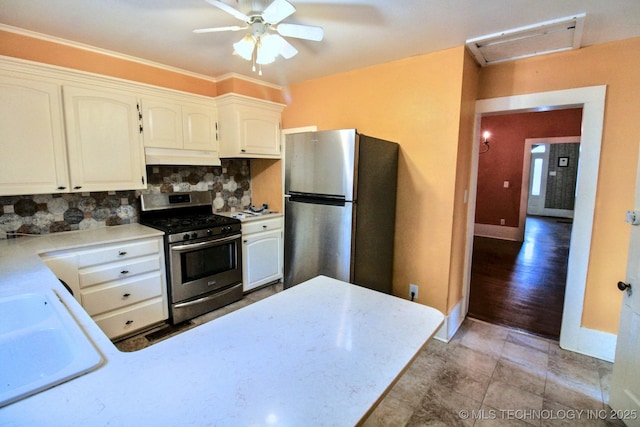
pixel 118 252
pixel 126 321
pixel 118 270
pixel 250 227
pixel 122 293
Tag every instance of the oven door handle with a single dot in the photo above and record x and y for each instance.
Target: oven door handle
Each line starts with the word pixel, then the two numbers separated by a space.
pixel 204 299
pixel 200 245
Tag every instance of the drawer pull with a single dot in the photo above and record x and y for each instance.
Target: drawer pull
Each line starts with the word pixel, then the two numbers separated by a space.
pixel 124 272
pixel 122 253
pixel 127 295
pixel 128 322
pixel 264 226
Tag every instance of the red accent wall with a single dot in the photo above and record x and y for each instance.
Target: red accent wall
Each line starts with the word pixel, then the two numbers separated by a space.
pixel 503 161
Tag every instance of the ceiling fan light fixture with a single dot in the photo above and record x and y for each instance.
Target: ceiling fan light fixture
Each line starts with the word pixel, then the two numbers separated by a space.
pixel 244 48
pixel 268 49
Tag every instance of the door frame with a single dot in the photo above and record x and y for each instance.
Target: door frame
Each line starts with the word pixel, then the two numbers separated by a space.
pixel 573 336
pixel 526 172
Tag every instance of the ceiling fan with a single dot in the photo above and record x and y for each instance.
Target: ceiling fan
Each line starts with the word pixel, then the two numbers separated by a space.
pixel 261 45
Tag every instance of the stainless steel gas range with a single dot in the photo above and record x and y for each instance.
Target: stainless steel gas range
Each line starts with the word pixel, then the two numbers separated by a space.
pixel 203 252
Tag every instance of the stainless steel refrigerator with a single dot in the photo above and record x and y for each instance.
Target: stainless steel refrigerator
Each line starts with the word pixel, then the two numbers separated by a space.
pixel 340 204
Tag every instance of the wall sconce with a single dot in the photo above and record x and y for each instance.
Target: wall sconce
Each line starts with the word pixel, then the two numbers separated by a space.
pixel 485 141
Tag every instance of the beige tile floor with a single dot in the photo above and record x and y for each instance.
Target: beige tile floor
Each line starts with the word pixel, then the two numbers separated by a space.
pixel 486 376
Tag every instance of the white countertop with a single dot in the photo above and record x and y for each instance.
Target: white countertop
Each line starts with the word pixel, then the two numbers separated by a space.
pixel 244 217
pixel 320 353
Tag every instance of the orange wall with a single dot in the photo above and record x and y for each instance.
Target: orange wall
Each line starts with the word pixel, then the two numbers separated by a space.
pixel 503 161
pixel 461 208
pixel 616 65
pixel 35 49
pixel 415 102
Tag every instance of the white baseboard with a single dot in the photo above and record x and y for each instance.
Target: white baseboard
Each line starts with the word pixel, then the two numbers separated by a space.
pixel 452 322
pixel 590 342
pixel 598 344
pixel 498 232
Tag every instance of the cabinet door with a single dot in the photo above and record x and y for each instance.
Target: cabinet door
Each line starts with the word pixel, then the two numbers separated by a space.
pixel 199 124
pixel 259 131
pixel 31 126
pixel 262 257
pixel 162 123
pixel 103 139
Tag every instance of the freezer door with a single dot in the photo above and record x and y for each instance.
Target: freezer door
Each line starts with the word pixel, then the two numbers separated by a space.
pixel 321 163
pixel 318 240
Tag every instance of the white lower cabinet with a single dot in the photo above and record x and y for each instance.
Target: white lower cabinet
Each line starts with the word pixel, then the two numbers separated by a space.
pixel 262 252
pixel 120 285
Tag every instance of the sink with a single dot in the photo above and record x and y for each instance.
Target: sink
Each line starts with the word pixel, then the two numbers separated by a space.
pixel 41 345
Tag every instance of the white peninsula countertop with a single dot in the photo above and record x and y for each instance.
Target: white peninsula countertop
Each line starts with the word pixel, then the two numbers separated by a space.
pixel 320 353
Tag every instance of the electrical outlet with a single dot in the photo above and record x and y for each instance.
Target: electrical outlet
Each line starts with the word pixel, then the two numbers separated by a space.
pixel 413 291
pixel 502 221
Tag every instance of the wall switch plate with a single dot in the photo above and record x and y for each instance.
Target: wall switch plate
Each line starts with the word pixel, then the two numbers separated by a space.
pixel 506 184
pixel 502 221
pixel 413 291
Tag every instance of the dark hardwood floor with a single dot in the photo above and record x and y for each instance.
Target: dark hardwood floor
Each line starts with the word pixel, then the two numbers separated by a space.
pixel 521 284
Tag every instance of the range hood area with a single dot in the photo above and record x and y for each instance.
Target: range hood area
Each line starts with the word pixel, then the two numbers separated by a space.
pixel 168 156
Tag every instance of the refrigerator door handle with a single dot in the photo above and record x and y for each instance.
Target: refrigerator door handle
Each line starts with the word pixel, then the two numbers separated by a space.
pixel 318 199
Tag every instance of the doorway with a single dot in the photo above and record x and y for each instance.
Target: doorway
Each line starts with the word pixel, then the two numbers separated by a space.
pixel 572 336
pixel 521 285
pixel 518 279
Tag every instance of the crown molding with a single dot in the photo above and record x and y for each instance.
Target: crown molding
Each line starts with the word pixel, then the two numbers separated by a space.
pixel 248 79
pixel 45 37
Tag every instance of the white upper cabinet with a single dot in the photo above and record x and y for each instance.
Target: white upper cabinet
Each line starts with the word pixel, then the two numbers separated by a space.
pixel 199 127
pixel 32 145
pixel 162 124
pixel 178 125
pixel 103 140
pixel 249 127
pixel 177 131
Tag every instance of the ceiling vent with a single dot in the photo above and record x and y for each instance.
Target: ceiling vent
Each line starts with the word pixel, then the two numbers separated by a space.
pixel 538 39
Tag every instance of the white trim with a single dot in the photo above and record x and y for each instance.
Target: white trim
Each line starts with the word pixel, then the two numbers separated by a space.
pixel 592 100
pixel 526 170
pixel 498 232
pixel 601 345
pixel 452 322
pixel 247 79
pixel 89 48
pixel 63 75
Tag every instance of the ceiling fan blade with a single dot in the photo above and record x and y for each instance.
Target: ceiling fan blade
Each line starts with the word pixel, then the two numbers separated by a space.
pixel 277 11
pixel 218 29
pixel 306 32
pixel 234 12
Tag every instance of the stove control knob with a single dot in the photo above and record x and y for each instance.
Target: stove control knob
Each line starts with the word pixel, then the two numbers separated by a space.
pixel 185 237
pixel 209 232
pixel 194 235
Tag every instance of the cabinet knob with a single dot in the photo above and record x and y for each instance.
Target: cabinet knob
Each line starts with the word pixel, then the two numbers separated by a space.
pixel 77 187
pixel 122 253
pixel 124 272
pixel 127 295
pixel 264 226
pixel 62 188
pixel 128 322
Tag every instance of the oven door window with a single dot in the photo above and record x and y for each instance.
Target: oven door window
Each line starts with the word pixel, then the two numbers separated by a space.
pixel 207 262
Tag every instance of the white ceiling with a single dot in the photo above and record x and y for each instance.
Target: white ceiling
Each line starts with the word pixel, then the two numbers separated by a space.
pixel 358 33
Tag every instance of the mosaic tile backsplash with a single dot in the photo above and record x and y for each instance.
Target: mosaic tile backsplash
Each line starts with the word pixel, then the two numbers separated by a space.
pixel 230 185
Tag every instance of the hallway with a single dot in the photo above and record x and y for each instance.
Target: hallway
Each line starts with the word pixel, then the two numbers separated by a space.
pixel 521 285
